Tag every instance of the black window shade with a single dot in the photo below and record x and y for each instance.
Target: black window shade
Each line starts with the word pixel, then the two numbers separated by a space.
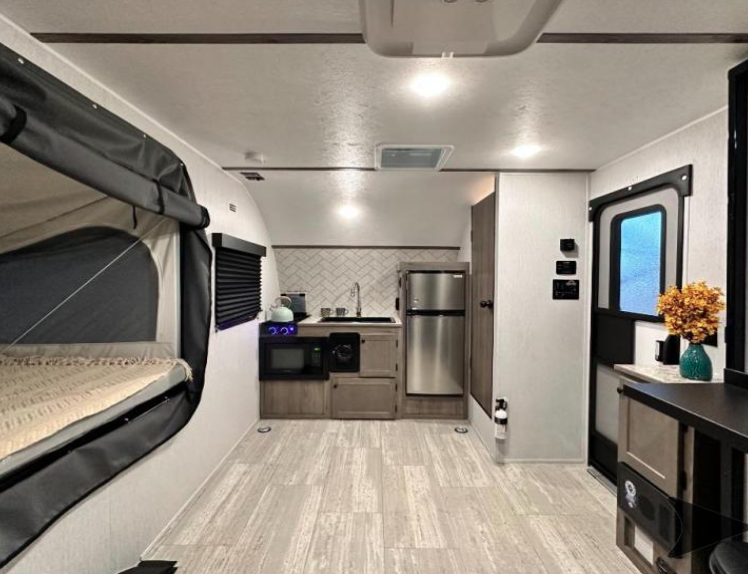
pixel 238 280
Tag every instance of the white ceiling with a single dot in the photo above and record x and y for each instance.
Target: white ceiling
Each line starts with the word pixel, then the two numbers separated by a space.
pixel 330 105
pixel 327 105
pixel 409 208
pixel 342 15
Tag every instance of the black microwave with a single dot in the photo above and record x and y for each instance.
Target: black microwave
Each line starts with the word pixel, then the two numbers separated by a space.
pixel 293 358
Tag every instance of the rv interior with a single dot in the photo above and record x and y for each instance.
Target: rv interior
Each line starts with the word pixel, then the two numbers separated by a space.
pixel 373 287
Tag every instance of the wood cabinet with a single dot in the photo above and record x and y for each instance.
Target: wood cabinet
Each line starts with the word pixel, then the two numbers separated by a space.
pixel 379 355
pixel 295 399
pixel 363 398
pixel 651 444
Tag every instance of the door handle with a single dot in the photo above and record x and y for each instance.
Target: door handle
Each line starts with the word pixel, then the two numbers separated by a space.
pixel 487 304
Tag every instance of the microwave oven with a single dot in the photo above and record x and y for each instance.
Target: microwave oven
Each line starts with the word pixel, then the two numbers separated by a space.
pixel 293 358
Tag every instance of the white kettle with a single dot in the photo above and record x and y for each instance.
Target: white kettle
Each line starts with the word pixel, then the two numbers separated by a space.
pixel 280 311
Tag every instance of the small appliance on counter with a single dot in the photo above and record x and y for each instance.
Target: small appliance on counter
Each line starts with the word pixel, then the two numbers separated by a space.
pixel 286 356
pixel 345 352
pixel 297 305
pixel 280 310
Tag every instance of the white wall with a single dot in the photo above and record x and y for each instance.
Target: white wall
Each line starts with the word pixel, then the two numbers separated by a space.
pixel 108 531
pixel 540 344
pixel 703 144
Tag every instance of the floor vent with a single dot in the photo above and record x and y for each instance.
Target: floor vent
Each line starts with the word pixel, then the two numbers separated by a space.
pixel 412 157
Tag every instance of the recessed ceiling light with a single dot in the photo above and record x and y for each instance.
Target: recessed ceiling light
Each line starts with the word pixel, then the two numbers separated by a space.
pixel 348 211
pixel 429 85
pixel 526 150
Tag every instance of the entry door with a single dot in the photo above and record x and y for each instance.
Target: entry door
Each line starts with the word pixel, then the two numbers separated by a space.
pixel 638 248
pixel 483 264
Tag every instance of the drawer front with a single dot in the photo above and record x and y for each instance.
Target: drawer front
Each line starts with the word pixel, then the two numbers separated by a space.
pixel 650 443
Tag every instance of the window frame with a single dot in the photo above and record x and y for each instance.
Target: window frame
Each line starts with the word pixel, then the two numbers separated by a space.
pixel 615 258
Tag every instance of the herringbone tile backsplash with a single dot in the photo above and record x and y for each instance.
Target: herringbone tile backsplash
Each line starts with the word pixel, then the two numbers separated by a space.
pixel 328 274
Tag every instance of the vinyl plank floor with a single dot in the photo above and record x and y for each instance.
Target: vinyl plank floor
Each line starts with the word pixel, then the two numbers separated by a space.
pixel 348 543
pixel 390 497
pixel 354 483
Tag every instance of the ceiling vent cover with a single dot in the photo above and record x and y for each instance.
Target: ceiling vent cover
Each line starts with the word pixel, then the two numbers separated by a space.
pixel 459 28
pixel 412 157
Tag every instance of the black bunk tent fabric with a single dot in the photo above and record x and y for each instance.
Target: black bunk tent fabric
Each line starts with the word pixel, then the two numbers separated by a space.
pixel 58 127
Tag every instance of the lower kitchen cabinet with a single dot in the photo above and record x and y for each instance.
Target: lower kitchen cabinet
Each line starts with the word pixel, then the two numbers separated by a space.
pixel 379 352
pixel 295 399
pixel 363 398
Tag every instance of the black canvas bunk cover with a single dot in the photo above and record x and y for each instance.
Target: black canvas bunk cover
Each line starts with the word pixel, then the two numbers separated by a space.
pixel 58 127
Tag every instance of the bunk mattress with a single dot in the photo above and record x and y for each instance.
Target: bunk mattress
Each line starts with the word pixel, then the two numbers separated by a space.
pixel 45 403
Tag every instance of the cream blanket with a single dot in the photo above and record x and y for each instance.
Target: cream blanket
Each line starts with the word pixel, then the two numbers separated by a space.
pixel 40 396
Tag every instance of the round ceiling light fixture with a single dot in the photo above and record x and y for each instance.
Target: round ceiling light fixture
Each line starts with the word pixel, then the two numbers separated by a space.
pixel 430 85
pixel 526 151
pixel 348 211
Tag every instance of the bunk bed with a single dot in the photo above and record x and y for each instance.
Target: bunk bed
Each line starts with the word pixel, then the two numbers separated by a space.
pixel 104 299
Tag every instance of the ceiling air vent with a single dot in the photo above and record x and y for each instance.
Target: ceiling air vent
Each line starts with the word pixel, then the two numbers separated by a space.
pixel 252 176
pixel 412 157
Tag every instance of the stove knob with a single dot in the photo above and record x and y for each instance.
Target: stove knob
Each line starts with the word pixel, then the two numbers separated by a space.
pixel 284 330
pixel 272 330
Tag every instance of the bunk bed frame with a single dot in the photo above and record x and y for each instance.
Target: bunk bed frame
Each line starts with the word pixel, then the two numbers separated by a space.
pixel 48 121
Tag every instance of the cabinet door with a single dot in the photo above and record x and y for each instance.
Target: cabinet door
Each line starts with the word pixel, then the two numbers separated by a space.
pixel 360 398
pixel 294 399
pixel 650 443
pixel 378 355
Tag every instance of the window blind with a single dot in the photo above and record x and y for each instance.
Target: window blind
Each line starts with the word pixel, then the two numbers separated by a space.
pixel 238 280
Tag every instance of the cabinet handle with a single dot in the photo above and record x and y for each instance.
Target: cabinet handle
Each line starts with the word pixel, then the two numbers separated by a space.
pixel 363 341
pixel 335 386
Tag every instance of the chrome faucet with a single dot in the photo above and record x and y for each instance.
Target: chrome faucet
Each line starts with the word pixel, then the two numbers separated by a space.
pixel 356 292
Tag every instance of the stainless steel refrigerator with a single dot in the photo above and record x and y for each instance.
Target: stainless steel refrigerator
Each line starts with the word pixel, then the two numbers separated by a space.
pixel 435 316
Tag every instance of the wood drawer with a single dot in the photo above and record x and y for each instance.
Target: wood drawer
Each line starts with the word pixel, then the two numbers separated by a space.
pixel 651 443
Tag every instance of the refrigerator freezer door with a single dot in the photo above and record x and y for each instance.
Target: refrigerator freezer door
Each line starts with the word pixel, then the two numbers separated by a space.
pixel 436 291
pixel 436 355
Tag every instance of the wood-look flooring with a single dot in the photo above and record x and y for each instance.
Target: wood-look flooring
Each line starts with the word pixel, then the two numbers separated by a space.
pixel 395 497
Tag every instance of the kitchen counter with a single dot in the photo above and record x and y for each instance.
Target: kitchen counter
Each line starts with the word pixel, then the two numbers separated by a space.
pixel 666 374
pixel 317 322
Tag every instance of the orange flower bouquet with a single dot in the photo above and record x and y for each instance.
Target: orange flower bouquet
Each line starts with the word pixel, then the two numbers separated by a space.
pixel 692 313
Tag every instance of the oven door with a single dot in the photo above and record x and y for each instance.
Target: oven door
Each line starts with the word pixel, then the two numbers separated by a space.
pixel 294 358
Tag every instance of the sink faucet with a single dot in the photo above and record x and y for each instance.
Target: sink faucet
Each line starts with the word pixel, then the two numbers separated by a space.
pixel 356 292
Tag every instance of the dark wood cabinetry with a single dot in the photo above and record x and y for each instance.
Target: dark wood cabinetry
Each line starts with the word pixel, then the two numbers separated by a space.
pixel 369 394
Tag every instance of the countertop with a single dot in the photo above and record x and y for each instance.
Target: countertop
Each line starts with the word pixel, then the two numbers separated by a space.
pixel 316 322
pixel 667 374
pixel 719 410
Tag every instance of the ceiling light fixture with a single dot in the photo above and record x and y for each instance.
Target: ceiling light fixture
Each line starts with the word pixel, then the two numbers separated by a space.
pixel 348 211
pixel 430 85
pixel 526 151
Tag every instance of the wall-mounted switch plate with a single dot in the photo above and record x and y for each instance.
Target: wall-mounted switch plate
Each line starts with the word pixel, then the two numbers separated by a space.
pixel 566 267
pixel 566 289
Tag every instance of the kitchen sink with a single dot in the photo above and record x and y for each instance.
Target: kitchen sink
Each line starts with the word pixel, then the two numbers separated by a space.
pixel 357 320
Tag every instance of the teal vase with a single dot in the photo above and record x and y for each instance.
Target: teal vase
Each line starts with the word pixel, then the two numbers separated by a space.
pixel 695 364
